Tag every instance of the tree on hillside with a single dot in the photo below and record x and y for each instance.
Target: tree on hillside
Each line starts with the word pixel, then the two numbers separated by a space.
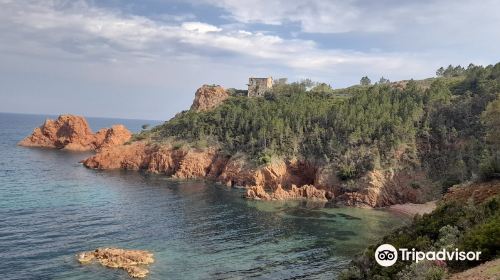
pixel 440 72
pixel 307 83
pixel 322 87
pixel 365 81
pixel 490 162
pixel 491 119
pixel 383 80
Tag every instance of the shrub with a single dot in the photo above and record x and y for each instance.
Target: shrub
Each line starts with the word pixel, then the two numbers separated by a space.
pixel 346 171
pixel 484 238
pixel 424 270
pixel 489 166
pixel 265 158
pixel 352 273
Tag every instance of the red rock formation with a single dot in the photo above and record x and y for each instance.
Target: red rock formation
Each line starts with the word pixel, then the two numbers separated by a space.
pixel 195 163
pixel 384 188
pixel 208 97
pixel 73 133
pixel 293 179
pixel 304 192
pixel 132 261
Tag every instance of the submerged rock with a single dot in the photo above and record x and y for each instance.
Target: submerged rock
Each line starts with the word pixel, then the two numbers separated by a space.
pixel 131 261
pixel 73 133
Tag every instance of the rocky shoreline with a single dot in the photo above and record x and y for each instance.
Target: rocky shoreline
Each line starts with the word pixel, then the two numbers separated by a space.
pixel 278 180
pixel 281 179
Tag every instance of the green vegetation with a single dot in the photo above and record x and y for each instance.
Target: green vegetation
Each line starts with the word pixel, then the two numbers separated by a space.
pixel 293 122
pixel 449 126
pixel 438 123
pixel 365 81
pixel 383 80
pixel 490 163
pixel 468 227
pixel 454 144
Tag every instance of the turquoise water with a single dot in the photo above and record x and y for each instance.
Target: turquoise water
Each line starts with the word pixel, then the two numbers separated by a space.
pixel 51 208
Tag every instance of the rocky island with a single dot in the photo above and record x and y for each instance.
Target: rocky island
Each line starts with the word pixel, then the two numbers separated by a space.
pixel 132 261
pixel 73 133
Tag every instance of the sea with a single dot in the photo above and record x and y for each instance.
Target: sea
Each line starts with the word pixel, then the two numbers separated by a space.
pixel 52 207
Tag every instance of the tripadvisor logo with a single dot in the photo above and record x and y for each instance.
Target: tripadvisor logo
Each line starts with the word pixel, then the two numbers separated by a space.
pixel 387 255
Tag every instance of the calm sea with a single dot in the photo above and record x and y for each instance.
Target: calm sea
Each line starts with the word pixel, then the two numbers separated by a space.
pixel 51 208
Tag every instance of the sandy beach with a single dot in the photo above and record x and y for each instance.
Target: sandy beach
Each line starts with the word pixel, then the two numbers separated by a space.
pixel 412 209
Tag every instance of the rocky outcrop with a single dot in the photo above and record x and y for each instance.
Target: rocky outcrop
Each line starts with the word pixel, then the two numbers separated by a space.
pixel 132 261
pixel 304 192
pixel 162 159
pixel 73 133
pixel 380 188
pixel 279 180
pixel 208 97
pixel 188 163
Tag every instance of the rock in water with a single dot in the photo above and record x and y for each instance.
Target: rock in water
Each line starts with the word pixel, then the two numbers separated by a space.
pixel 208 97
pixel 132 261
pixel 304 192
pixel 73 133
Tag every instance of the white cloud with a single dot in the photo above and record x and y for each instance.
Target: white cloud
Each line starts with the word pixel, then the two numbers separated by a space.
pixel 313 15
pixel 79 31
pixel 59 46
pixel 385 16
pixel 200 27
pixel 85 31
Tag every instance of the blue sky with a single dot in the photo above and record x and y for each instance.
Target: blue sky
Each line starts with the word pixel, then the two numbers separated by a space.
pixel 145 59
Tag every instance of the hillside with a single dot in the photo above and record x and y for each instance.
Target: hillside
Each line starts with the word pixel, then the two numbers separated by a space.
pixel 365 145
pixel 467 219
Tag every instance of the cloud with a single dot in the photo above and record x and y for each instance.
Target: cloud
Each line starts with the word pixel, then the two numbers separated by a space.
pixel 200 27
pixel 356 16
pixel 313 15
pixel 61 48
pixel 82 31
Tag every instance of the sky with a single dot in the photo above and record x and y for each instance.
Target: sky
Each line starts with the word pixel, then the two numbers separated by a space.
pixel 144 59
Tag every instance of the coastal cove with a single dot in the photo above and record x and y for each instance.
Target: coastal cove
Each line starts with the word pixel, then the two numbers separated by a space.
pixel 52 207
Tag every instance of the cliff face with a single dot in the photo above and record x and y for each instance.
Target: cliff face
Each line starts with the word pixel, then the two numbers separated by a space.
pixel 279 180
pixel 73 133
pixel 383 188
pixel 208 97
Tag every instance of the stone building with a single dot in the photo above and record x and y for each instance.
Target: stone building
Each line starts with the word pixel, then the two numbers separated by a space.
pixel 259 86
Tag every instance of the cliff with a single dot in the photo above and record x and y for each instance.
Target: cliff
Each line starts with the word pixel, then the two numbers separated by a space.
pixel 73 133
pixel 278 180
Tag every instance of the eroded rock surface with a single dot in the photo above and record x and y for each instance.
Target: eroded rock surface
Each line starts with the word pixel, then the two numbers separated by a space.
pixel 304 192
pixel 73 133
pixel 132 261
pixel 380 188
pixel 279 180
pixel 208 97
